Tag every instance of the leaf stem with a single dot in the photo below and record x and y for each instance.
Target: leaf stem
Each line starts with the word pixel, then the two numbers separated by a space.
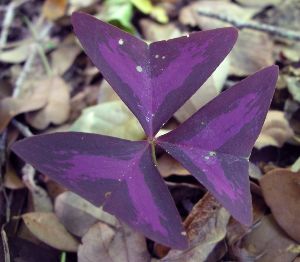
pixel 153 153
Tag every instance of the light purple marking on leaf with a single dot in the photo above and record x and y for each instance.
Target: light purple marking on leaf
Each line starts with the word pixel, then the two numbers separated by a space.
pixel 225 176
pixel 114 172
pixel 232 121
pixel 226 127
pixel 153 80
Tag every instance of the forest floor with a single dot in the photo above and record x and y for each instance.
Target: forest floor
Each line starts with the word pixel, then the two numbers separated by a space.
pixel 48 84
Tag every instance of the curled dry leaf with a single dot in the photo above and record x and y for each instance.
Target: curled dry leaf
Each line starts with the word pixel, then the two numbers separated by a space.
pixel 13 106
pixel 102 241
pixel 78 215
pixel 110 118
pixel 206 227
pixel 47 228
pixel 281 190
pixel 58 104
pixel 267 242
pixel 275 132
pixel 253 49
pixel 40 197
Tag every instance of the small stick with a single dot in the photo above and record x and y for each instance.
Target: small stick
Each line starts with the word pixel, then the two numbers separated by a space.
pixel 270 29
pixel 9 17
pixel 24 130
pixel 33 52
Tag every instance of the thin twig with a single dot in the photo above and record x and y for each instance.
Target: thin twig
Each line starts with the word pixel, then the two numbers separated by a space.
pixel 24 130
pixel 8 19
pixel 34 50
pixel 5 244
pixel 270 29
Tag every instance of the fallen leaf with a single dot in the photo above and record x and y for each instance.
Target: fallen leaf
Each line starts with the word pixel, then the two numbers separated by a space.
pixel 102 241
pixel 209 90
pixel 110 118
pixel 275 132
pixel 259 3
pixel 58 105
pixel 206 227
pixel 47 228
pixel 253 49
pixel 15 55
pixel 130 245
pixel 285 15
pixel 54 9
pixel 95 244
pixel 78 215
pixel 155 32
pixel 293 84
pixel 11 179
pixel 13 106
pixel 86 98
pixel 189 14
pixel 64 55
pixel 41 200
pixel 281 190
pixel 267 242
pixel 168 166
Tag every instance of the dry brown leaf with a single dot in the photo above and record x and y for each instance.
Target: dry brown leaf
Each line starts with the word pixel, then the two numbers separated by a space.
pixel 281 190
pixel 259 3
pixel 189 16
pixel 95 244
pixel 267 242
pixel 275 132
pixel 15 55
pixel 209 90
pixel 58 105
pixel 13 106
pixel 252 52
pixel 40 197
pixel 54 9
pixel 253 49
pixel 78 215
pixel 206 227
pixel 156 32
pixel 87 97
pixel 11 179
pixel 102 241
pixel 47 228
pixel 168 166
pixel 63 57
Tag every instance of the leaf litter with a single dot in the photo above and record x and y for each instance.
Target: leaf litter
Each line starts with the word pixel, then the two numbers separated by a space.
pixel 45 107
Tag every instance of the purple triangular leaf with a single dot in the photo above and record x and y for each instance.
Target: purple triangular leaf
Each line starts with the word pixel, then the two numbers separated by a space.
pixel 153 80
pixel 116 173
pixel 215 143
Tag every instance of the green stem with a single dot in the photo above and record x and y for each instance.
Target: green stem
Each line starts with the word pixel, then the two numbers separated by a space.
pixel 153 153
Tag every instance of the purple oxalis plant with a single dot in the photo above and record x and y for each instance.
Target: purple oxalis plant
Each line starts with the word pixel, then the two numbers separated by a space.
pixel 154 80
